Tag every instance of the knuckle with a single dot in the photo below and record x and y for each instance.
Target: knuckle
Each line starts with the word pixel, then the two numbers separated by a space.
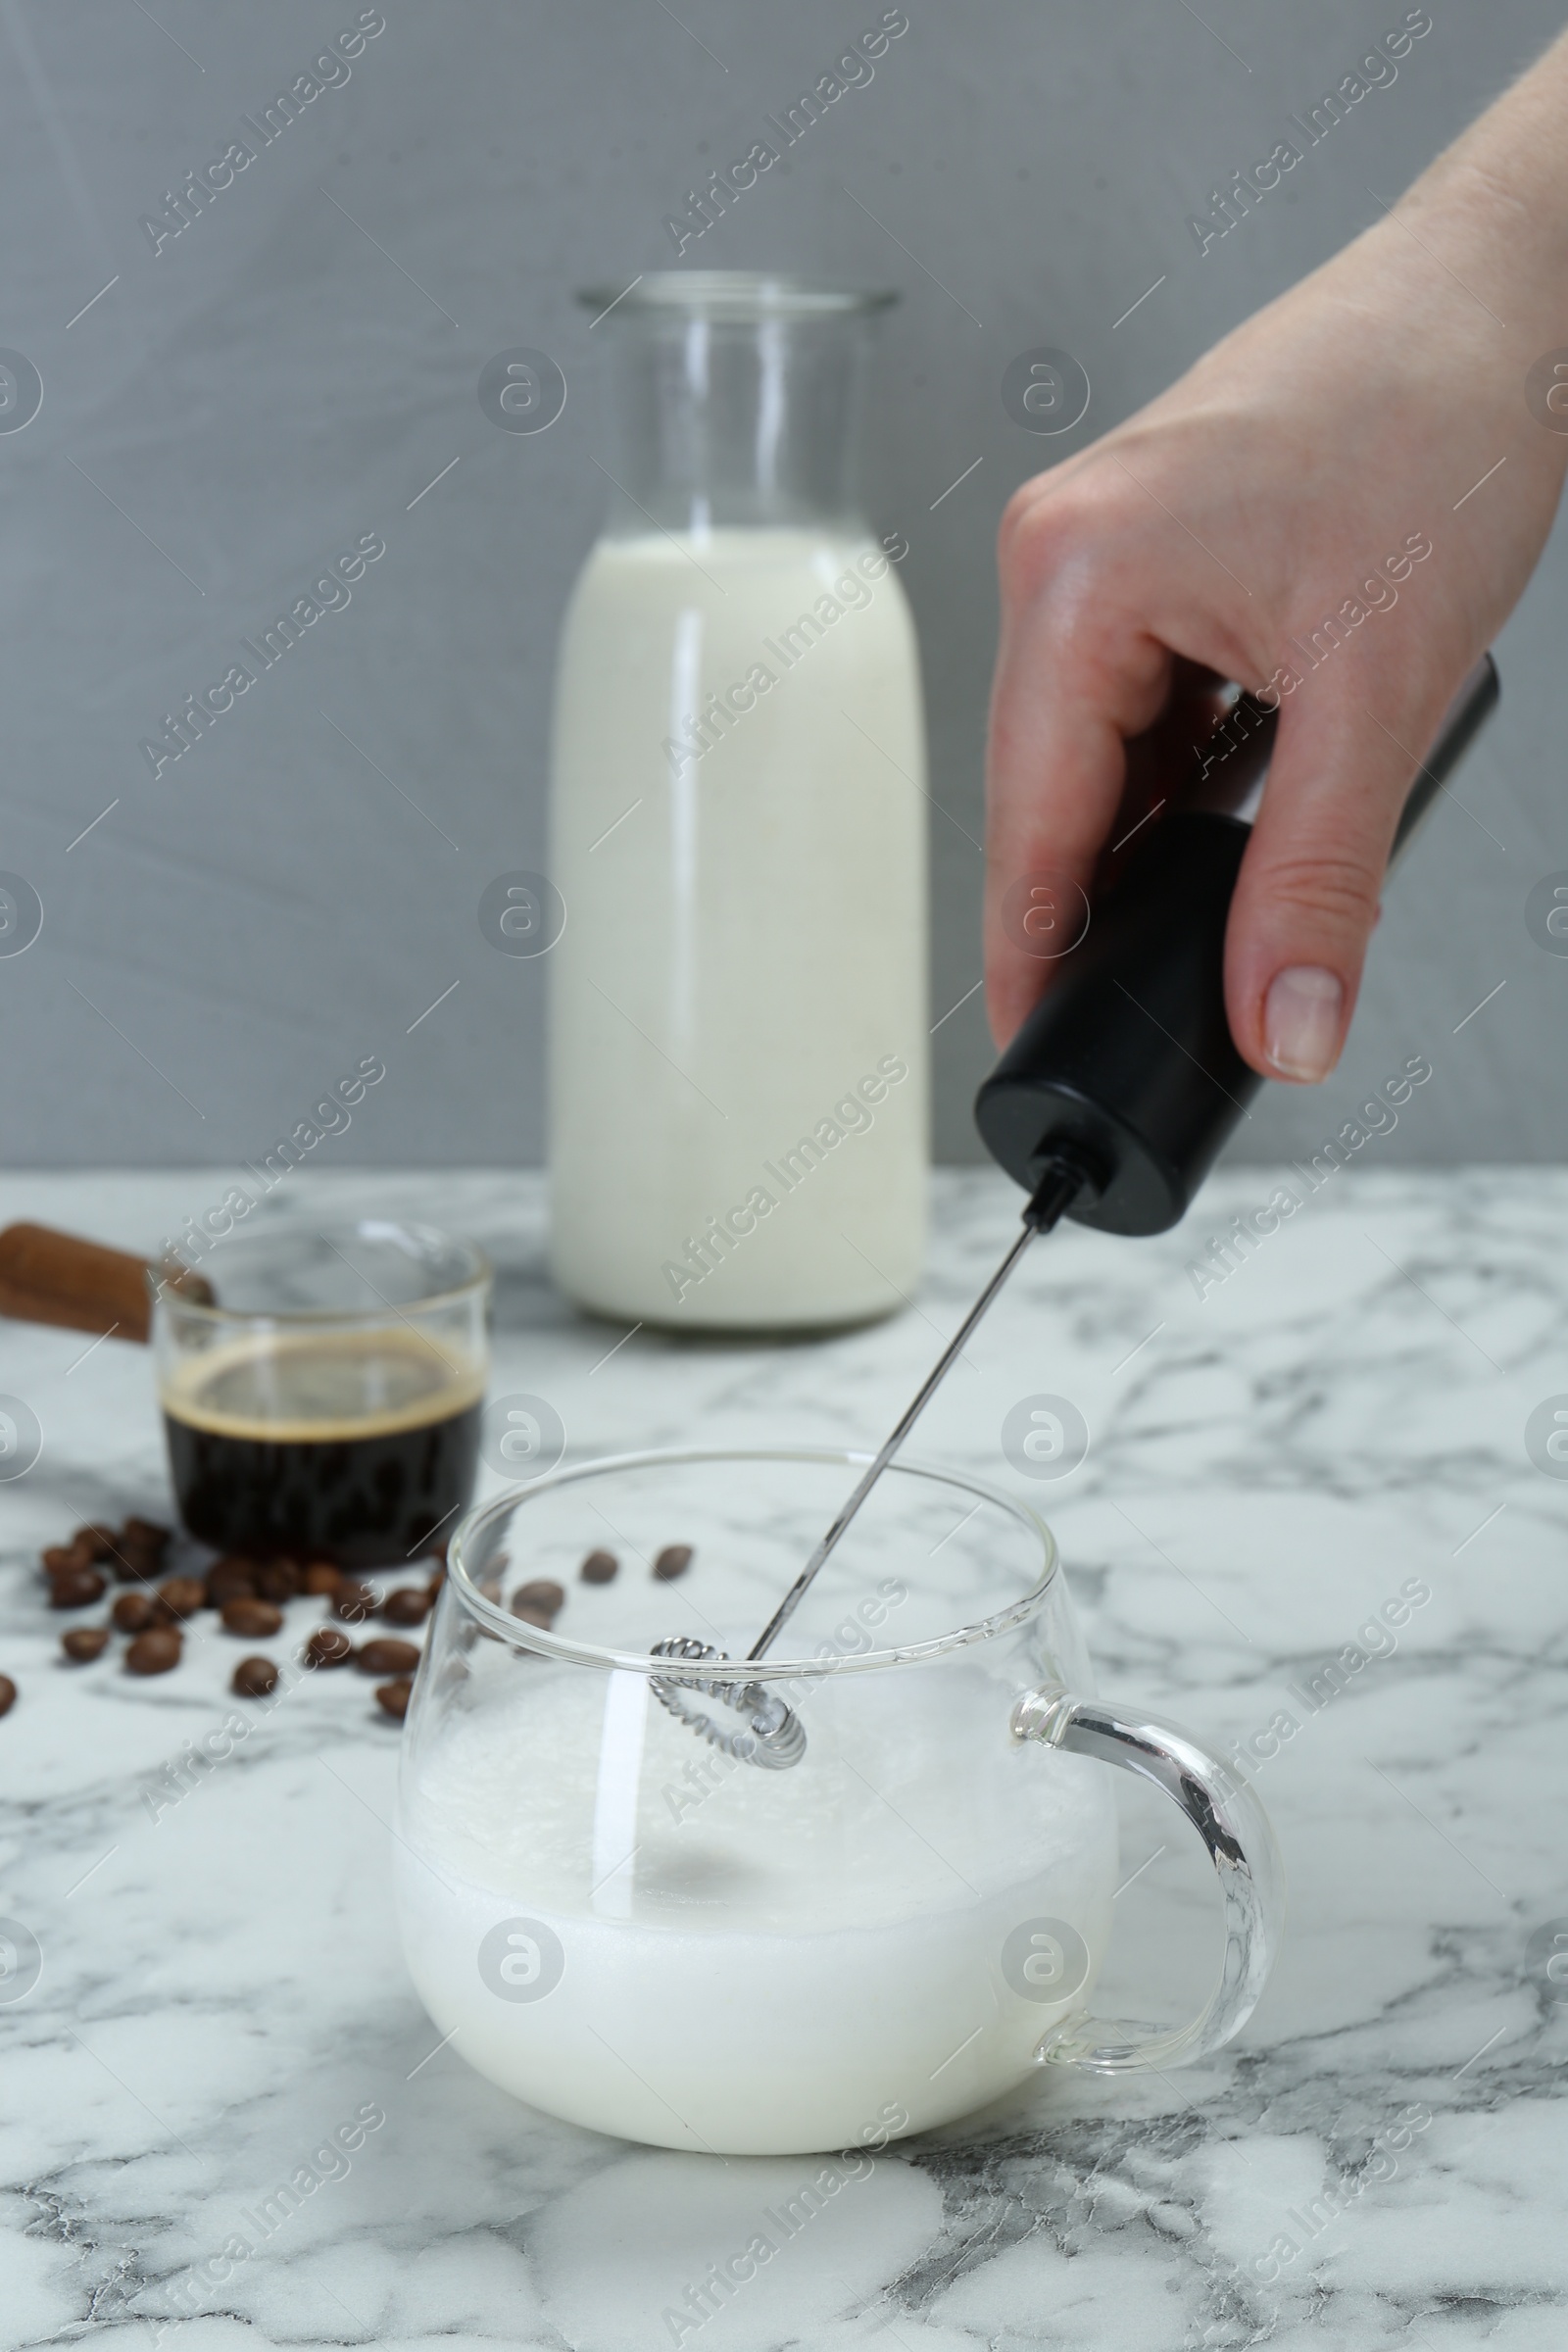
pixel 1073 533
pixel 1327 886
pixel 1041 533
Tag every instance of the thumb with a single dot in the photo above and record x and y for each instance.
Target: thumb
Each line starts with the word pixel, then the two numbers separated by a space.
pixel 1307 897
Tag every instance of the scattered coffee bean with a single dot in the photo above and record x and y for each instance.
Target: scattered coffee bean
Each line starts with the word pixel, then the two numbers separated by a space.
pixel 672 1561
pixel 327 1647
pixel 8 1695
pixel 250 1595
pixel 75 1588
pixel 410 1604
pixel 133 1556
pixel 532 1614
pixel 154 1651
pixel 353 1602
pixel 542 1594
pixel 599 1567
pixel 60 1559
pixel 147 1533
pixel 252 1618
pixel 184 1596
pixel 384 1655
pixel 230 1578
pixel 278 1580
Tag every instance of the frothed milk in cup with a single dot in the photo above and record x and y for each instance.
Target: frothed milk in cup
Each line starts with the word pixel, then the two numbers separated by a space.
pixel 632 1933
pixel 878 1925
pixel 738 1003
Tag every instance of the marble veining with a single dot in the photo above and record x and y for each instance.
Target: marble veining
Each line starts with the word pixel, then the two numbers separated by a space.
pixel 1273 1461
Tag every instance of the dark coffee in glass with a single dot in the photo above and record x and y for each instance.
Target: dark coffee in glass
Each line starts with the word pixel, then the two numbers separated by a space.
pixel 345 1429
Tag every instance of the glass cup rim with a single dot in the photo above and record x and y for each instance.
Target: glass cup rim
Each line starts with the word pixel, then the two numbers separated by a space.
pixel 738 294
pixel 480 1517
pixel 162 1293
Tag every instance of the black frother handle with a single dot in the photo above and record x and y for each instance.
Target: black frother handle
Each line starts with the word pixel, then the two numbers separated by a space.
pixel 1127 1062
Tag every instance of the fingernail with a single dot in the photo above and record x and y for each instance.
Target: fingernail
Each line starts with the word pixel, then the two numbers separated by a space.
pixel 1302 1021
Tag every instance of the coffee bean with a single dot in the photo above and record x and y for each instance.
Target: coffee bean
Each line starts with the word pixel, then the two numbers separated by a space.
pixel 321 1577
pixel 98 1542
pixel 254 1678
pixel 134 1613
pixel 145 1534
pixel 230 1578
pixel 599 1567
pixel 184 1596
pixel 84 1641
pixel 672 1561
pixel 327 1647
pixel 8 1695
pixel 353 1602
pixel 384 1655
pixel 542 1594
pixel 410 1604
pixel 278 1580
pixel 394 1699
pixel 532 1614
pixel 254 1619
pixel 60 1559
pixel 155 1651
pixel 75 1588
pixel 135 1563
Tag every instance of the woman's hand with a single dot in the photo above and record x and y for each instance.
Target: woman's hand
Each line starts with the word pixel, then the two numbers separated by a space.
pixel 1339 504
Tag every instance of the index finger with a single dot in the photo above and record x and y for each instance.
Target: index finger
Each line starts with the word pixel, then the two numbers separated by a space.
pixel 1065 701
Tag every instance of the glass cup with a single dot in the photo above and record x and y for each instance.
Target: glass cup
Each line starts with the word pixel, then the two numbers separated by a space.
pixel 719 1947
pixel 328 1403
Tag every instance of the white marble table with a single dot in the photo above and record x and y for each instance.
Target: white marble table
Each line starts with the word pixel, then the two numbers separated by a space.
pixel 221 1987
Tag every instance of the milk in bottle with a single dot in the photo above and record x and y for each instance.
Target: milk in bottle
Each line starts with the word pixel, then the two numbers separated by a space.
pixel 739 1023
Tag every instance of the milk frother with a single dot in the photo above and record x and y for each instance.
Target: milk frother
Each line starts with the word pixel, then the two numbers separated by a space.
pixel 1116 1096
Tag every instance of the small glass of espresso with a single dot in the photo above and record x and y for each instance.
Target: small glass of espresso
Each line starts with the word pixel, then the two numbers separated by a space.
pixel 326 1402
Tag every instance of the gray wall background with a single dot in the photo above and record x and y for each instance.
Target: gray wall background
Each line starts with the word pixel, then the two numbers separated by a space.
pixel 294 368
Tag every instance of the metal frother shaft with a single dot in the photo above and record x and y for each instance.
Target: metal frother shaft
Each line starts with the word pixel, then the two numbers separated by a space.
pixel 775 1734
pixel 1058 1188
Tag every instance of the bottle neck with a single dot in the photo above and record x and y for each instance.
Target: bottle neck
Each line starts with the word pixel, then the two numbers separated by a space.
pixel 733 422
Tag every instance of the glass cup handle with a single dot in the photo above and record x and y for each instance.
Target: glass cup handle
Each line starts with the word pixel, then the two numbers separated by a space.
pixel 1225 1812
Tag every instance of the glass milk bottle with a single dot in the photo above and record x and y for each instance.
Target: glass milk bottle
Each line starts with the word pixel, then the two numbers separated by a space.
pixel 738 1098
